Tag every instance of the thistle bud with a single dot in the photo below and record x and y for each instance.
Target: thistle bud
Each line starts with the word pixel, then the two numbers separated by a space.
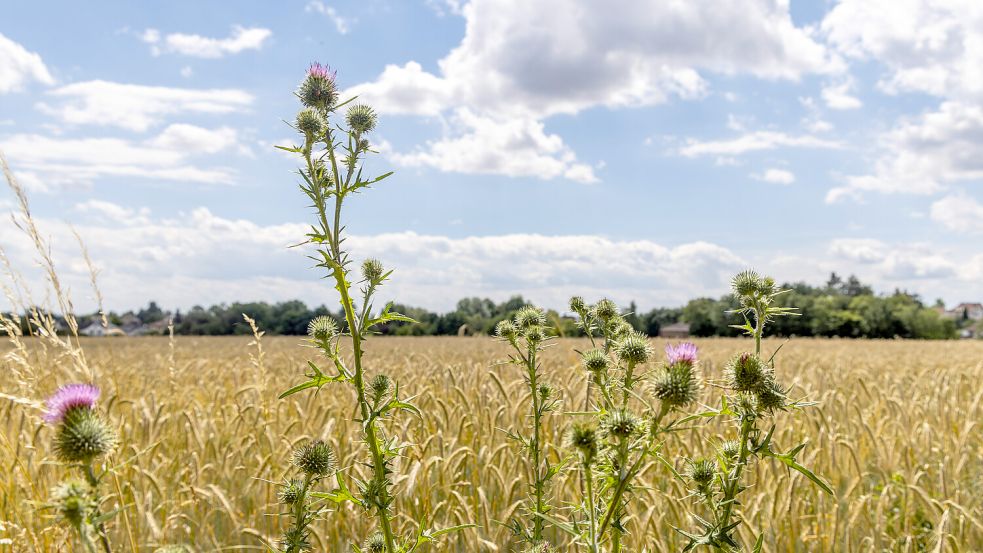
pixel 595 361
pixel 577 304
pixel 296 539
pixel 535 335
pixel 746 284
pixel 634 349
pixel 676 385
pixel 322 328
pixel 746 405
pixel 315 459
pixel 622 424
pixel 772 397
pixel 73 501
pixel 311 123
pixel 506 330
pixel 374 493
pixel 291 492
pixel 82 436
pixel 380 387
pixel 545 392
pixel 702 472
pixel 363 144
pixel 617 327
pixel 747 373
pixel 318 90
pixel 372 270
pixel 529 316
pixel 730 449
pixel 583 438
pixel 361 118
pixel 376 543
pixel 605 310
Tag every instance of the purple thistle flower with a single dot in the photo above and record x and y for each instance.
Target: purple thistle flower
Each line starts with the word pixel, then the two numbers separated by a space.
pixel 68 397
pixel 684 352
pixel 319 71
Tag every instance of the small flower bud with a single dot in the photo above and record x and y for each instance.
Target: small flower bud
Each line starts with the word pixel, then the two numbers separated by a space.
pixel 375 493
pixel 622 424
pixel 618 327
pixel 376 543
pixel 583 437
pixel 676 385
pixel 318 90
pixel 322 328
pixel 577 304
pixel 605 310
pixel 372 270
pixel 545 392
pixel 291 492
pixel 363 144
pixel 311 123
pixel 634 349
pixel 73 501
pixel 746 284
pixel 506 330
pixel 747 373
pixel 746 405
pixel 535 335
pixel 82 436
pixel 772 397
pixel 529 316
pixel 314 458
pixel 730 449
pixel 702 472
pixel 595 361
pixel 361 118
pixel 380 386
pixel 296 539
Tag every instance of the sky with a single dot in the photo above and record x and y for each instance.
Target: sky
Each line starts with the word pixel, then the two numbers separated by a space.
pixel 637 149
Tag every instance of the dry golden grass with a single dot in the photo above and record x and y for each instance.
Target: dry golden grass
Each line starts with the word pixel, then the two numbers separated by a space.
pixel 897 433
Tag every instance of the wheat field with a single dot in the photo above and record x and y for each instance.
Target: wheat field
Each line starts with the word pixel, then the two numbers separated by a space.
pixel 205 438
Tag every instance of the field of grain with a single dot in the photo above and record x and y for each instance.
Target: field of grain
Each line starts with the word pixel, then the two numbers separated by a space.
pixel 896 433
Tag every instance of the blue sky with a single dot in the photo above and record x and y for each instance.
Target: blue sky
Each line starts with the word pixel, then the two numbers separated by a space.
pixel 641 150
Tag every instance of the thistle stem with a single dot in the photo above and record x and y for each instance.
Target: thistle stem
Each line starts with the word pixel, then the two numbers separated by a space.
pixel 591 513
pixel 300 518
pixel 90 477
pixel 536 453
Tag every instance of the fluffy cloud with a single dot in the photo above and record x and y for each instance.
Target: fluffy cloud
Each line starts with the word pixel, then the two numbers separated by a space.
pixel 340 23
pixel 754 142
pixel 776 176
pixel 839 96
pixel 515 147
pixel 924 154
pixel 898 263
pixel 137 107
pixel 199 46
pixel 18 66
pixel 959 213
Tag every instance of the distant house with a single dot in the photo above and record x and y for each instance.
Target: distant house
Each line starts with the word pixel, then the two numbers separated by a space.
pixel 675 330
pixel 95 328
pixel 972 311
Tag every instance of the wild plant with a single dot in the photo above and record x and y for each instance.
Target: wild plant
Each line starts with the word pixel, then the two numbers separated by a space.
pixel 528 334
pixel 332 156
pixel 625 428
pixel 753 395
pixel 82 436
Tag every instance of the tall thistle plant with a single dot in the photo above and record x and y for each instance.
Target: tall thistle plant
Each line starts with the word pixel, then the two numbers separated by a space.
pixel 754 394
pixel 528 335
pixel 331 155
pixel 627 420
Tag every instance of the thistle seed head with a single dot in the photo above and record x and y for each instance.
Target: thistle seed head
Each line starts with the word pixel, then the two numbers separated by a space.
pixel 605 310
pixel 372 270
pixel 376 543
pixel 506 330
pixel 311 123
pixel 622 425
pixel 748 373
pixel 291 492
pixel 529 317
pixel 322 328
pixel 595 361
pixel 634 349
pixel 676 385
pixel 361 118
pixel 583 437
pixel 749 285
pixel 314 458
pixel 73 501
pixel 70 397
pixel 318 89
pixel 82 436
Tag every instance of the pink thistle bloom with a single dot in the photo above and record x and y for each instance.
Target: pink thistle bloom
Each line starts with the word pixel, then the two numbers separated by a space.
pixel 684 352
pixel 319 71
pixel 68 397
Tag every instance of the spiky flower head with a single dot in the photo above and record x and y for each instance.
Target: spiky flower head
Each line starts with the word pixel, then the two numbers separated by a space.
pixel 702 472
pixel 322 328
pixel 583 437
pixel 318 89
pixel 545 391
pixel 380 386
pixel 622 424
pixel 311 123
pixel 375 493
pixel 506 330
pixel 68 398
pixel 361 118
pixel 595 360
pixel 291 492
pixel 376 543
pixel 746 405
pixel 73 501
pixel 577 304
pixel 82 436
pixel 684 352
pixel 772 397
pixel 634 349
pixel 730 449
pixel 605 310
pixel 372 270
pixel 535 334
pixel 314 458
pixel 618 327
pixel 529 317
pixel 676 385
pixel 748 373
pixel 296 539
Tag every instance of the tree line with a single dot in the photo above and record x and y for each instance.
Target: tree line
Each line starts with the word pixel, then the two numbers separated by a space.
pixel 840 307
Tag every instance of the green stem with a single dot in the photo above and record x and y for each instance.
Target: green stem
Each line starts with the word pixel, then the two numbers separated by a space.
pixel 537 533
pixel 90 477
pixel 591 512
pixel 300 517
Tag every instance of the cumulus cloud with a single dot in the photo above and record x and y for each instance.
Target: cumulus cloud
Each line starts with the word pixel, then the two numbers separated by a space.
pixel 18 66
pixel 840 96
pixel 898 262
pixel 775 176
pixel 958 213
pixel 241 39
pixel 754 142
pixel 137 107
pixel 340 23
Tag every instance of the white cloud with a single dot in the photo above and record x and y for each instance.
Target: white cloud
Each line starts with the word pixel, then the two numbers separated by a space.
pixel 898 262
pixel 513 147
pixel 959 213
pixel 754 142
pixel 928 46
pixel 18 66
pixel 405 89
pixel 776 176
pixel 839 96
pixel 924 154
pixel 46 163
pixel 241 39
pixel 137 107
pixel 862 250
pixel 341 24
